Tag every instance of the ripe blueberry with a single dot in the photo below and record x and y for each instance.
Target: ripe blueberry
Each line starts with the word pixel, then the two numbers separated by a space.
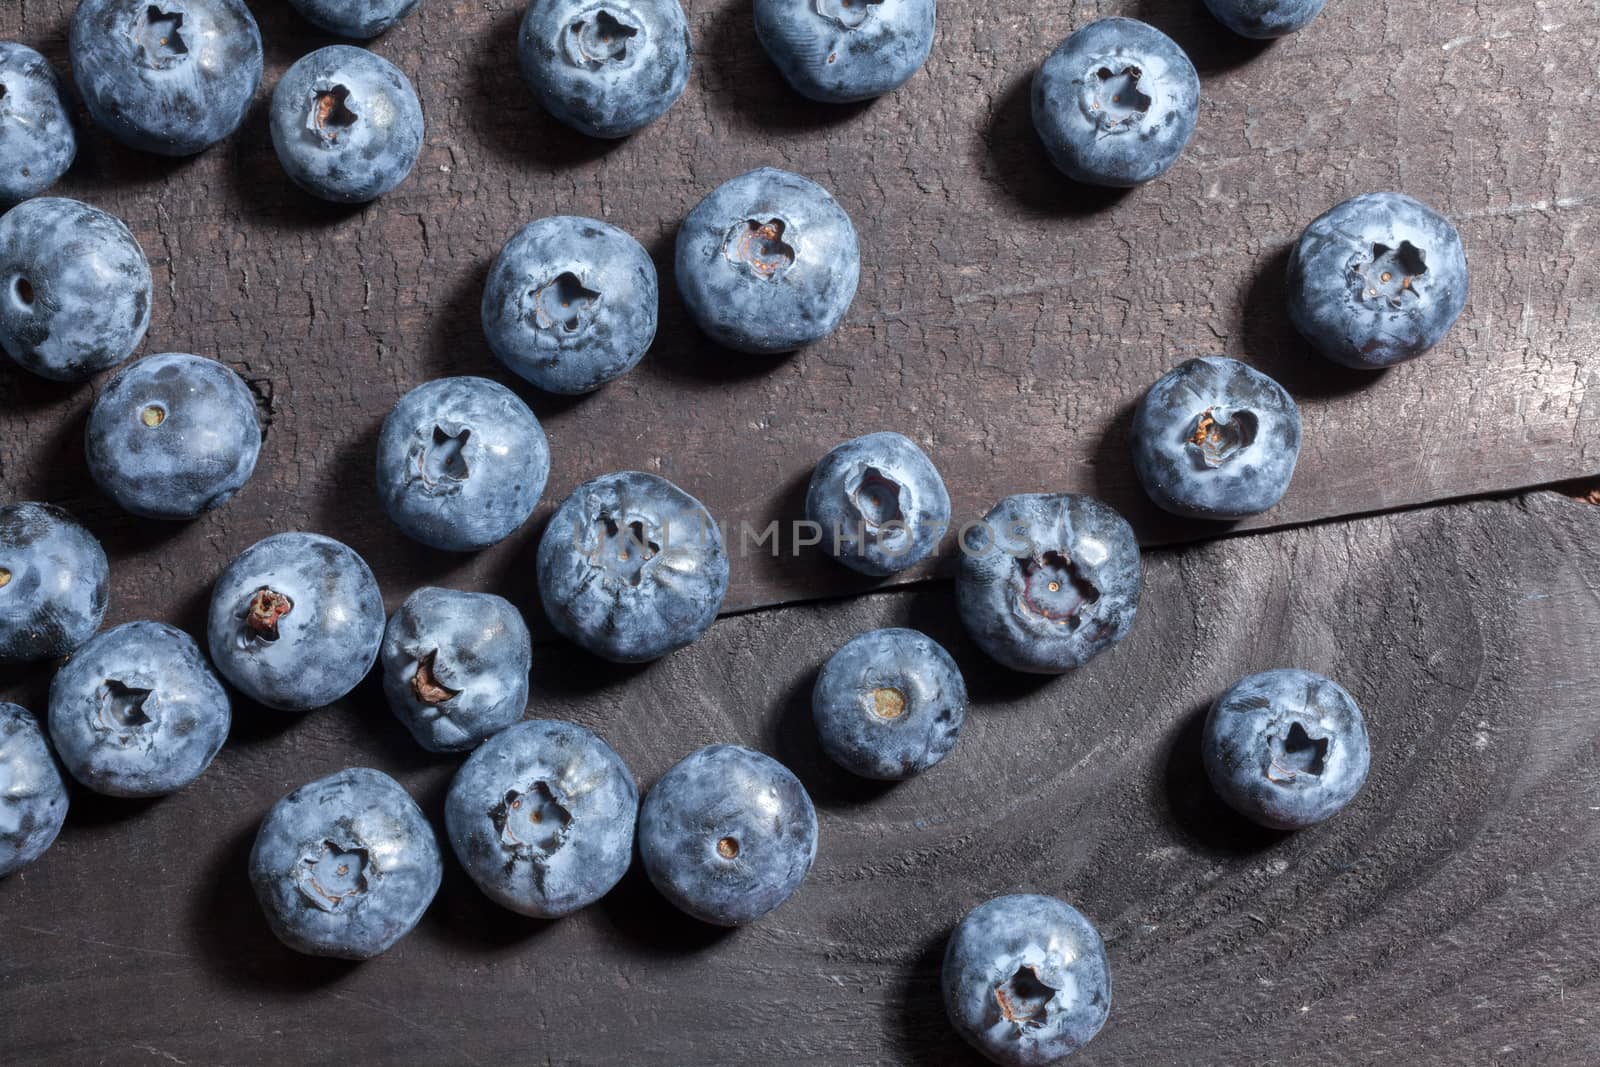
pixel 889 704
pixel 1048 581
pixel 837 51
pixel 33 798
pixel 1115 103
pixel 360 19
pixel 768 262
pixel 53 583
pixel 880 503
pixel 1265 19
pixel 727 834
pixel 542 816
pixel 631 567
pixel 1215 439
pixel 37 139
pixel 1286 748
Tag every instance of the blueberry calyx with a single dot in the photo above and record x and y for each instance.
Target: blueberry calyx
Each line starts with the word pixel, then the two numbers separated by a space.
pixel 887 702
pixel 159 37
pixel 728 848
pixel 265 609
pixel 331 114
pixel 426 685
pixel 333 874
pixel 1127 103
pixel 544 827
pixel 1052 586
pixel 595 41
pixel 876 498
pixel 565 302
pixel 121 708
pixel 1024 998
pixel 760 247
pixel 444 462
pixel 25 293
pixel 633 550
pixel 1389 275
pixel 1219 436
pixel 1296 752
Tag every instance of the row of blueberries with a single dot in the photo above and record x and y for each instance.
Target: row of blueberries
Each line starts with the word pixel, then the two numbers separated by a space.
pixel 543 815
pixel 1114 104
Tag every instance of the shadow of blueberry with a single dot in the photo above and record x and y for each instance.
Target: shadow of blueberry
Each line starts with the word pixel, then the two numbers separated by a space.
pixel 1211 47
pixel 1018 165
pixel 1212 826
pixel 795 744
pixel 920 1031
pixel 634 910
pixel 1268 341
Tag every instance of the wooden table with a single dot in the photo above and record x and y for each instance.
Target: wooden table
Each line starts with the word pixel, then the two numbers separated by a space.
pixel 1007 321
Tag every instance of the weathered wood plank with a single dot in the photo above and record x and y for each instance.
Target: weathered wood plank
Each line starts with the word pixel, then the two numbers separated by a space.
pixel 1006 320
pixel 1447 917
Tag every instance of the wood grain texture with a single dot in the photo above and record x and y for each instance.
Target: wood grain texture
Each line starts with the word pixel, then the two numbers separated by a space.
pixel 1449 916
pixel 1006 320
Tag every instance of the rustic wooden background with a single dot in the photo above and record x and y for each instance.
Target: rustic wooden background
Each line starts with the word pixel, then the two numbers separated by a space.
pixel 1008 321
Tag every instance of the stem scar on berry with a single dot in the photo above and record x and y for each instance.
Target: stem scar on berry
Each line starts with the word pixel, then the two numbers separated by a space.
pixel 888 702
pixel 5 577
pixel 728 848
pixel 265 609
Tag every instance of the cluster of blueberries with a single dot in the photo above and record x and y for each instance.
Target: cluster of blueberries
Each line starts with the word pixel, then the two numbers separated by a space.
pixel 543 814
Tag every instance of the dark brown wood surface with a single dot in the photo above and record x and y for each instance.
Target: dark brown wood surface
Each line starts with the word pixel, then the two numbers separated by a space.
pixel 1450 916
pixel 1006 320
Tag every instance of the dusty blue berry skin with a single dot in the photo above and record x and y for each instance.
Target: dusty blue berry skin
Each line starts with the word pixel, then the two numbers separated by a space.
pixel 37 139
pixel 1216 439
pixel 138 712
pixel 166 76
pixel 33 798
pixel 53 583
pixel 74 289
pixel 727 834
pixel 461 463
pixel 346 865
pixel 768 262
pixel 173 436
pixel 1115 103
pixel 1026 980
pixel 570 304
pixel 880 502
pixel 838 51
pixel 1265 19
pixel 1029 543
pixel 889 704
pixel 606 69
pixel 455 667
pixel 346 124
pixel 1377 280
pixel 542 816
pixel 1286 748
pixel 631 567
pixel 296 621
pixel 359 19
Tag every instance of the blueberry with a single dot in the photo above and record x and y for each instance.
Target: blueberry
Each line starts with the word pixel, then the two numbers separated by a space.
pixel 570 304
pixel 1115 103
pixel 361 19
pixel 607 69
pixel 37 139
pixel 1286 748
pixel 768 262
pixel 346 124
pixel 74 289
pixel 296 620
pixel 880 503
pixel 461 463
pixel 173 436
pixel 1048 581
pixel 455 667
pixel 1265 19
pixel 167 76
pixel 346 865
pixel 138 712
pixel 631 567
pixel 1026 981
pixel 889 704
pixel 53 581
pixel 1215 439
pixel 1377 280
pixel 727 834
pixel 838 51
pixel 541 816
pixel 33 798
